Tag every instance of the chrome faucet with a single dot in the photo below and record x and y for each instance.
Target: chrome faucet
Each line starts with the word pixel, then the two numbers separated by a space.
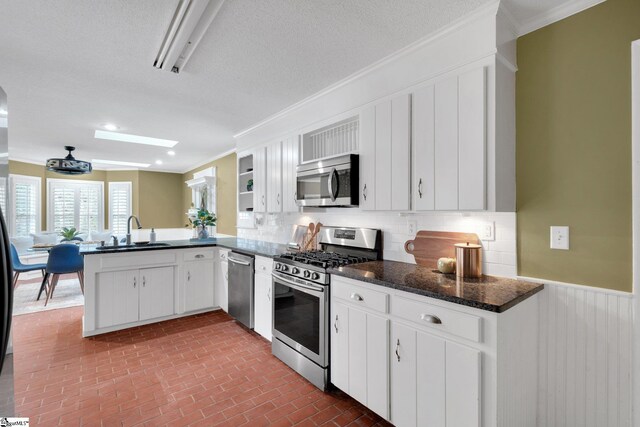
pixel 129 227
pixel 115 240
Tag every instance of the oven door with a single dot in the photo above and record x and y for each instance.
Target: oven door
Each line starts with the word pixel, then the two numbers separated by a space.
pixel 300 314
pixel 327 186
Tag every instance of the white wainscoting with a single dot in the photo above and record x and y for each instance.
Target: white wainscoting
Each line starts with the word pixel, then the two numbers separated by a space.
pixel 585 350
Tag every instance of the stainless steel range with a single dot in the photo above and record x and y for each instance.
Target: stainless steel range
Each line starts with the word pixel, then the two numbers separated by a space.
pixel 301 288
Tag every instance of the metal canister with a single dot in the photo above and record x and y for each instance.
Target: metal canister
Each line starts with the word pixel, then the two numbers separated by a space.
pixel 468 260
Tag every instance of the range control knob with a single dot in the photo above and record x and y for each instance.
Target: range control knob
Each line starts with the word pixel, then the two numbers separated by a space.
pixel 277 267
pixel 284 267
pixel 315 276
pixel 307 273
pixel 295 270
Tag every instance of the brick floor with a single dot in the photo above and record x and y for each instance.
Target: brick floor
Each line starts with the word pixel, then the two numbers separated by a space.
pixel 202 370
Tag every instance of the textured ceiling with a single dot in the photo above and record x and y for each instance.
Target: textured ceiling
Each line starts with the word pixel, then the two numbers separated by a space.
pixel 70 65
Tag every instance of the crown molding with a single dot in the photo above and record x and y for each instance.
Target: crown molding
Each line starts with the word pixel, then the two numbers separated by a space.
pixel 486 10
pixel 212 159
pixel 555 14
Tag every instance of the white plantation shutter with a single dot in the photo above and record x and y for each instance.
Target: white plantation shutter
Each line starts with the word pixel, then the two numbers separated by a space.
pixel 76 204
pixel 24 193
pixel 119 206
pixel 3 197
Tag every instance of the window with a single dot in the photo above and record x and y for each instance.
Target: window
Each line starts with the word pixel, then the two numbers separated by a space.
pixel 119 207
pixel 24 198
pixel 72 203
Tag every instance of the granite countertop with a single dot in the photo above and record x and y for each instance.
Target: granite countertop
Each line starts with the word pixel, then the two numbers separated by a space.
pixel 490 293
pixel 246 246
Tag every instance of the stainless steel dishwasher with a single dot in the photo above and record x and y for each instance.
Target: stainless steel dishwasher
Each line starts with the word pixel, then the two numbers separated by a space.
pixel 241 282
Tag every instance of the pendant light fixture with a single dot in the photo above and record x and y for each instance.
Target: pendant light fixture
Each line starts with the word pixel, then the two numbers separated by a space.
pixel 69 165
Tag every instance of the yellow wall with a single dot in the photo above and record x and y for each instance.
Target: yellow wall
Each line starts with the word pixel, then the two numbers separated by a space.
pixel 156 196
pixel 574 146
pixel 227 184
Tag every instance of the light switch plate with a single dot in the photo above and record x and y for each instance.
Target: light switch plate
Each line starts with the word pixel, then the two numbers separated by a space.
pixel 559 237
pixel 488 231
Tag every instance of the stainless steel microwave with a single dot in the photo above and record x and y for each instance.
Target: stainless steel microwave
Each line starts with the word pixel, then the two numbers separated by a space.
pixel 328 182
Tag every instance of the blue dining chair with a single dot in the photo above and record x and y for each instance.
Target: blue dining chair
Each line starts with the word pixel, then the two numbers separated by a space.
pixel 19 267
pixel 63 259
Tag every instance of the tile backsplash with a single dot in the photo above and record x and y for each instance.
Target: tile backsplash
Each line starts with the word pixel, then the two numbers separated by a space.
pixel 499 255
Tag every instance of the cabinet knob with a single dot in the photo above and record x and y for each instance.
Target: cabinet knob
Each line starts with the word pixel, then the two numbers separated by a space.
pixel 398 350
pixel 431 318
pixel 356 297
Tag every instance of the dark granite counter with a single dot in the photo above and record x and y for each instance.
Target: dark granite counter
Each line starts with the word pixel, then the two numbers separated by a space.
pixel 489 293
pixel 245 246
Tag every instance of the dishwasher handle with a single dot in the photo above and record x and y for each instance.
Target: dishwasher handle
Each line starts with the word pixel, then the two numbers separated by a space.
pixel 237 261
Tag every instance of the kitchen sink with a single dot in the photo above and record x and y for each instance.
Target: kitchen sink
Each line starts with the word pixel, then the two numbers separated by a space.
pixel 133 246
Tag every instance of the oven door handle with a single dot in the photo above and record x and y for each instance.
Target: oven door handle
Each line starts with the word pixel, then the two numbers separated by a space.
pixel 309 287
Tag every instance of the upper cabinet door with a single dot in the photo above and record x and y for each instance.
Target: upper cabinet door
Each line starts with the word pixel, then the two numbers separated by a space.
pixel 274 177
pixel 400 152
pixel 259 180
pixel 423 149
pixel 367 158
pixel 383 174
pixel 446 144
pixel 472 140
pixel 290 162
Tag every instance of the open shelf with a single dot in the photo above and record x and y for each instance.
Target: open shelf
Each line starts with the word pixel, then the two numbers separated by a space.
pixel 246 173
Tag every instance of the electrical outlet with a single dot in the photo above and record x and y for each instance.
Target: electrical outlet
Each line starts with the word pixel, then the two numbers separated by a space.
pixel 488 231
pixel 559 237
pixel 412 225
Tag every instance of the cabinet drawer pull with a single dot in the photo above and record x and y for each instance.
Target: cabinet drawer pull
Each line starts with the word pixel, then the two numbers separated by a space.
pixel 188 275
pixel 356 297
pixel 431 318
pixel 335 324
pixel 199 256
pixel 420 188
pixel 262 200
pixel 144 282
pixel 269 293
pixel 398 350
pixel 278 199
pixel 364 192
pixel 134 282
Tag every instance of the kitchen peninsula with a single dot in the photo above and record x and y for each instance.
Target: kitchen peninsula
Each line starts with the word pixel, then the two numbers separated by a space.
pixel 129 286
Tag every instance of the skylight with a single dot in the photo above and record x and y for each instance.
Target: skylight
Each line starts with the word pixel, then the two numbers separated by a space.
pixel 120 163
pixel 136 139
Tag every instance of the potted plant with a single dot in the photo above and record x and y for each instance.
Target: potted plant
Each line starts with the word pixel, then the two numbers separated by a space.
pixel 69 234
pixel 250 185
pixel 202 220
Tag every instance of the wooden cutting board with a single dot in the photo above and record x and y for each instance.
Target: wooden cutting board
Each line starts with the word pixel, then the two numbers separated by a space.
pixel 428 246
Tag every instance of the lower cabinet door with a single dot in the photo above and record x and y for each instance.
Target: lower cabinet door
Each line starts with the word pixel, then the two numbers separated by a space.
pixel 156 292
pixel 198 285
pixel 263 317
pixel 339 345
pixel 434 382
pixel 221 288
pixel 117 298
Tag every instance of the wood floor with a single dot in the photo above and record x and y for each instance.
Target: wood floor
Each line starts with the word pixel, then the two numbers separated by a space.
pixel 202 370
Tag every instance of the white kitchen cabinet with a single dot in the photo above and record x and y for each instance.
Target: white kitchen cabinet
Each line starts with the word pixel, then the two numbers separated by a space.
pixel 433 381
pixel 260 180
pixel 385 145
pixel 449 120
pixel 156 292
pixel 263 293
pixel 133 295
pixel 116 297
pixel 359 355
pixel 290 160
pixel 198 279
pixel 274 177
pixel 221 285
pixel 432 362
